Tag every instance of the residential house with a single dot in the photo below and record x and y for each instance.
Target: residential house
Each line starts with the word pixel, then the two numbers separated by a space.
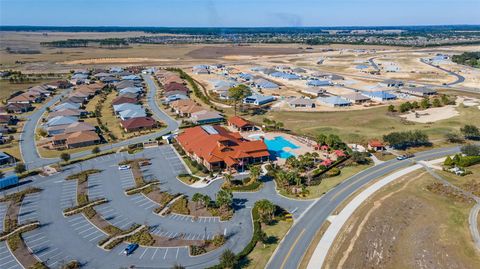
pixel 206 117
pixel 76 100
pixel 334 101
pixel 6 159
pixel 318 83
pixel 380 96
pixel 419 91
pixel 175 86
pixel 124 100
pixel 132 77
pixel 133 90
pixel 132 113
pixel 69 128
pixel 18 107
pixel 75 140
pixel 301 103
pixel 216 148
pixel 174 97
pixel 375 145
pixel 356 98
pixel 25 98
pixel 258 99
pixel 391 83
pixel 240 124
pixel 138 124
pixel 265 84
pixel 125 84
pixel 68 113
pixel 126 106
pixel 314 91
pixel 185 107
pixel 66 105
pixel 60 120
pixel 8 119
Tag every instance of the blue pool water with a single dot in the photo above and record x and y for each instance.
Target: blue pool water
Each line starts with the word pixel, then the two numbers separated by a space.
pixel 275 147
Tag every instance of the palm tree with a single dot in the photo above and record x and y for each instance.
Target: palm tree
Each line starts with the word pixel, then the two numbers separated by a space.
pixel 266 209
pixel 206 200
pixel 254 172
pixel 228 259
pixel 282 178
pixel 196 198
pixel 228 177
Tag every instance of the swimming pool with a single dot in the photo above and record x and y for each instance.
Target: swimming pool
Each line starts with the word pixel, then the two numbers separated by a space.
pixel 276 145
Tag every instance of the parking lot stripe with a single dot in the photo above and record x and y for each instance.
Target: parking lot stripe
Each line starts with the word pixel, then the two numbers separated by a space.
pixel 35 240
pixel 153 256
pixel 164 256
pixel 176 256
pixel 45 253
pixel 86 230
pixel 95 237
pixel 141 256
pixel 78 228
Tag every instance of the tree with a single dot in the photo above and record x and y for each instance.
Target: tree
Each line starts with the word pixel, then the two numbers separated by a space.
pixel 425 103
pixel 359 157
pixel 237 93
pixel 436 103
pixel 255 172
pixel 41 132
pixel 454 137
pixel 206 200
pixel 228 177
pixel 224 198
pixel 266 210
pixel 20 168
pixel 321 139
pixel 448 161
pixel 445 99
pixel 96 150
pixel 470 132
pixel 403 140
pixel 228 259
pixel 391 108
pixel 196 198
pixel 415 105
pixel 471 150
pixel 65 157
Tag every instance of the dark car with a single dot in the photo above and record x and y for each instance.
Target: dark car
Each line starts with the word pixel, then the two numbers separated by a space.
pixel 130 249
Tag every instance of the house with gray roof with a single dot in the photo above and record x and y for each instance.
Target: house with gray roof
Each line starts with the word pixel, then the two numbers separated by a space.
pixel 301 103
pixel 419 91
pixel 334 101
pixel 132 113
pixel 356 98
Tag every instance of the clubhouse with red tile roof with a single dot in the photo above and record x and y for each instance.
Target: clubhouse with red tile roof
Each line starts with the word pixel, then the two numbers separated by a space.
pixel 217 148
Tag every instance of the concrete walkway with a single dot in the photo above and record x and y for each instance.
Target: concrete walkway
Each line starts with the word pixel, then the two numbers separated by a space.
pixel 328 238
pixel 473 222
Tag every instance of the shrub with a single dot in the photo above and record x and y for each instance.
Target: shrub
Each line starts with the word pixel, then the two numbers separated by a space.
pixel 197 250
pixel 333 172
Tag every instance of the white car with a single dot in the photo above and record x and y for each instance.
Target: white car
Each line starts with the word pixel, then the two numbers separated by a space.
pixel 124 167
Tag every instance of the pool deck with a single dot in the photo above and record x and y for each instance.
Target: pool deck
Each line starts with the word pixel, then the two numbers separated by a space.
pixel 302 146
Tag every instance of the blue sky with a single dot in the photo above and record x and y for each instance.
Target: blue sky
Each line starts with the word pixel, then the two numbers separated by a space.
pixel 201 13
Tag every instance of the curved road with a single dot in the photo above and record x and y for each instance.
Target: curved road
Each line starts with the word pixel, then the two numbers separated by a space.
pixel 29 151
pixel 460 78
pixel 295 244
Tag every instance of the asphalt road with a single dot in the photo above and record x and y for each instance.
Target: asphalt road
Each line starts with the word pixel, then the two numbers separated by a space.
pixel 459 77
pixel 295 244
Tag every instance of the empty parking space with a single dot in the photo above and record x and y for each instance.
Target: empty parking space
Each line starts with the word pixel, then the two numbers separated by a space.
pixel 114 217
pixel 7 261
pixel 179 217
pixel 3 211
pixel 29 208
pixel 84 229
pixel 95 190
pixel 68 196
pixel 126 179
pixel 155 253
pixel 185 235
pixel 44 250
pixel 142 201
pixel 172 158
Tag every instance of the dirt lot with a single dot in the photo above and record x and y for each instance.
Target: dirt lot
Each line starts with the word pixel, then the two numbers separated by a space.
pixel 407 226
pixel 209 52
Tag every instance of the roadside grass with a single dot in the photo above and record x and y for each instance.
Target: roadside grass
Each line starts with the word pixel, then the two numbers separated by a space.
pixel 12 149
pixel 51 153
pixel 260 255
pixel 330 182
pixel 444 219
pixel 470 182
pixel 193 169
pixel 9 88
pixel 361 125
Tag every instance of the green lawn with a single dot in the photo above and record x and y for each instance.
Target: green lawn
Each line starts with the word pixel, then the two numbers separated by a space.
pixel 362 125
pixel 330 183
pixel 260 255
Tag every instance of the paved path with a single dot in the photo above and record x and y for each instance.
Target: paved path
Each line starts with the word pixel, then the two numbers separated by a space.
pixel 459 77
pixel 473 222
pixel 321 251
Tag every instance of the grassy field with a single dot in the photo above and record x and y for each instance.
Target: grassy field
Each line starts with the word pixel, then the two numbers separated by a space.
pixel 260 255
pixel 12 149
pixel 410 226
pixel 48 153
pixel 359 126
pixel 465 182
pixel 7 88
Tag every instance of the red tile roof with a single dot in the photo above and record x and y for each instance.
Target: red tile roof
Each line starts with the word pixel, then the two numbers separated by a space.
pixel 220 145
pixel 175 86
pixel 239 122
pixel 123 100
pixel 376 143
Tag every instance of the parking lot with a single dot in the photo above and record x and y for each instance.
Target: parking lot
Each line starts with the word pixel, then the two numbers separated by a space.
pixel 179 217
pixel 141 201
pixel 42 247
pixel 7 261
pixel 68 197
pixel 84 229
pixel 111 215
pixel 172 159
pixel 95 190
pixel 154 253
pixel 29 208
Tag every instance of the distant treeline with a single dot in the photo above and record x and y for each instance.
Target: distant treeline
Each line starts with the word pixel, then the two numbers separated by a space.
pixel 243 30
pixel 75 43
pixel 468 58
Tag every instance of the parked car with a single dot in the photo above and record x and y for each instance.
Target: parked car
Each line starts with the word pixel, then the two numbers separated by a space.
pixel 405 156
pixel 130 249
pixel 124 167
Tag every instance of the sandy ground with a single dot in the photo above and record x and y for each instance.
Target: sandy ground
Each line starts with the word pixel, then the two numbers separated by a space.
pixel 432 114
